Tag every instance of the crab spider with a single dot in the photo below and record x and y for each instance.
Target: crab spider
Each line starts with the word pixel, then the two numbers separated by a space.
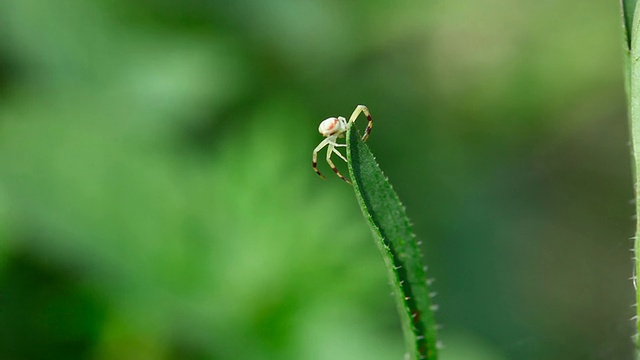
pixel 333 128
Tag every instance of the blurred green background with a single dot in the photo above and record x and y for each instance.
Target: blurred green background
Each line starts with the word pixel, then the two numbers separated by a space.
pixel 157 199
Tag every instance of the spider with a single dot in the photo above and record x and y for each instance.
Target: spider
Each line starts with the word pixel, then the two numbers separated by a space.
pixel 333 128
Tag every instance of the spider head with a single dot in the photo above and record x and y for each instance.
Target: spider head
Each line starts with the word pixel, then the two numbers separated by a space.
pixel 332 126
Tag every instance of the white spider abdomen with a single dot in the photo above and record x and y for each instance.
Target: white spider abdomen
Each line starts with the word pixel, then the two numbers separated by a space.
pixel 331 126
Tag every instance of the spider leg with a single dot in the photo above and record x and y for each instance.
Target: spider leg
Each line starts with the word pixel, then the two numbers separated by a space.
pixel 333 166
pixel 339 154
pixel 335 144
pixel 322 144
pixel 354 116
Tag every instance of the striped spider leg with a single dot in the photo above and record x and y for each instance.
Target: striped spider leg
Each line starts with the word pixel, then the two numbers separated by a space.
pixel 333 128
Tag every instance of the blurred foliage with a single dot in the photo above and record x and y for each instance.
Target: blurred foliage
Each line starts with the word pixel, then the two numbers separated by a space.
pixel 157 199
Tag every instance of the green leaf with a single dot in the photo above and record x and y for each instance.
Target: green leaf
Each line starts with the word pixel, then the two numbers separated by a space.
pixel 392 231
pixel 628 8
pixel 632 80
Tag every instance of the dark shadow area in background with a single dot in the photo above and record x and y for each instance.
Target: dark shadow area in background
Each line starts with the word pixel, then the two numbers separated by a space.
pixel 9 73
pixel 45 313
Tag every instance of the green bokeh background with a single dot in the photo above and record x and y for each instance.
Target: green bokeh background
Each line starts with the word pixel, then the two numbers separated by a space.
pixel 157 199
